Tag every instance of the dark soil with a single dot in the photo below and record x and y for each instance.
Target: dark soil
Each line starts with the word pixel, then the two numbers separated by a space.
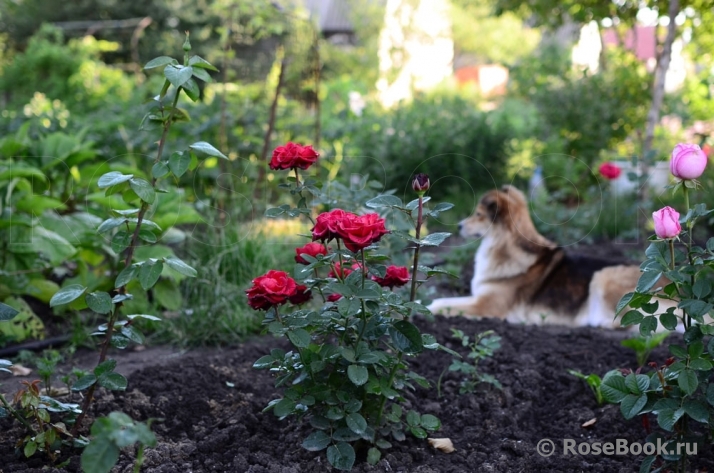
pixel 211 402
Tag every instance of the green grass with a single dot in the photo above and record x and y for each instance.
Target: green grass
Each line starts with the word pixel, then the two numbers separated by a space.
pixel 215 306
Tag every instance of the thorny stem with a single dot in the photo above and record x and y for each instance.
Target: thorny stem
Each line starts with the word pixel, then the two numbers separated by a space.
pixel 687 317
pixel 127 261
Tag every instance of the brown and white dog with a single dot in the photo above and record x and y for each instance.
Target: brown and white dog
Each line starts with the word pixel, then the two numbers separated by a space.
pixel 522 276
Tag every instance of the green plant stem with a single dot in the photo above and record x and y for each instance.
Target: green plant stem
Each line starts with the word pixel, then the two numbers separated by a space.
pixel 127 262
pixel 139 459
pixel 16 414
pixel 392 374
pixel 671 253
pixel 687 318
pixel 417 234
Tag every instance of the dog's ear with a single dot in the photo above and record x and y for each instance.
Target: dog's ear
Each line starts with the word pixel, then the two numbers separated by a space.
pixel 491 205
pixel 514 193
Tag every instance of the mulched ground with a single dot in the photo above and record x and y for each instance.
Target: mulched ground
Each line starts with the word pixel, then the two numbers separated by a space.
pixel 211 401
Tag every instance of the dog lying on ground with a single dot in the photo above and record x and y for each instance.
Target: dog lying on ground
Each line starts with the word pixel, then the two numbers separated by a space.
pixel 523 277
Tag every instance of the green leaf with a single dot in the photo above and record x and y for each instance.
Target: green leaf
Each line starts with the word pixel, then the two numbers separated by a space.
pixel 316 441
pixel 7 312
pixel 666 418
pixel 190 87
pixel 637 383
pixel 384 201
pixel 631 317
pixel 112 381
pixel 688 381
pixel 149 274
pixel 406 337
pixel 199 62
pixel 356 423
pixel 357 374
pixel 99 302
pixel 84 382
pixel 113 178
pixel 647 280
pixel 413 418
pixel 160 62
pixel 435 239
pixel 624 301
pixel 126 275
pixel 180 267
pixel 179 163
pixel 299 337
pixel 30 448
pixel 100 455
pixel 341 456
pixel 207 148
pixel 701 364
pixel 201 74
pixel 430 422
pixel 668 320
pixel 648 325
pixel 373 456
pixel 632 404
pixel 147 235
pixel 110 223
pixel 143 189
pixel 133 334
pixel 159 170
pixel 144 316
pixel 178 74
pixel 613 387
pixel 284 407
pixel 697 410
pixel 67 294
pixel 107 366
pixel 121 241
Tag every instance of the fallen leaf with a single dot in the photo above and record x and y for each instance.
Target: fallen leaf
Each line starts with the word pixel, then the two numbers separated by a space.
pixel 590 422
pixel 444 445
pixel 59 392
pixel 19 370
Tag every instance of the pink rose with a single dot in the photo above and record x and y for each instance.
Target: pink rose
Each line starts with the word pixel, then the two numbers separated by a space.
pixel 688 161
pixel 666 223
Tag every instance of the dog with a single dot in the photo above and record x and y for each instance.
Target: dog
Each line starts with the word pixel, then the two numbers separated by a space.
pixel 521 276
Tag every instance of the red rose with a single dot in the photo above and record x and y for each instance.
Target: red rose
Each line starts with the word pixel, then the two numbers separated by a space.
pixel 306 157
pixel 293 155
pixel 313 249
pixel 334 297
pixel 395 276
pixel 271 289
pixel 360 232
pixel 327 224
pixel 610 171
pixel 343 272
pixel 301 295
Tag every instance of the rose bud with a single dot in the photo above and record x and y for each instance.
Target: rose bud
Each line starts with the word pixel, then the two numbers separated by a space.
pixel 669 361
pixel 334 297
pixel 610 171
pixel 652 364
pixel 666 223
pixel 313 249
pixel 688 161
pixel 301 295
pixel 421 183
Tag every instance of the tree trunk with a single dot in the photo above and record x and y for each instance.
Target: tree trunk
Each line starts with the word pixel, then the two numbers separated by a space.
pixel 660 74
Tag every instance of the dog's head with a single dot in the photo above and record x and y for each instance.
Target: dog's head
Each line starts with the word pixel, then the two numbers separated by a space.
pixel 502 210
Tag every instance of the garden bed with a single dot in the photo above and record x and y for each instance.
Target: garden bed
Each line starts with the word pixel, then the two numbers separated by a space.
pixel 210 403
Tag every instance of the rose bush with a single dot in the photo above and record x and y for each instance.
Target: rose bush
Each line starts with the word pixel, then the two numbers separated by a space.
pixel 348 365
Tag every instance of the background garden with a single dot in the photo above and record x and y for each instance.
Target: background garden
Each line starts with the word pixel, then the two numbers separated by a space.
pixel 75 104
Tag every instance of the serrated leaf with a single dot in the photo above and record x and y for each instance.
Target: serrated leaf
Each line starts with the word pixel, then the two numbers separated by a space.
pixel 666 418
pixel 113 178
pixel 143 189
pixel 647 280
pixel 7 312
pixel 179 163
pixel 84 382
pixel 159 170
pixel 299 337
pixel 632 404
pixel 121 241
pixel 356 422
pixel 99 302
pixel 613 387
pixel 697 410
pixel 430 422
pixel 112 381
pixel 648 325
pixel 67 294
pixel 631 317
pixel 406 337
pixel 106 366
pixel 201 74
pixel 208 149
pixel 133 334
pixel 637 383
pixel 382 201
pixel 126 275
pixel 180 267
pixel 316 441
pixel 199 62
pixel 373 456
pixel 149 274
pixel 110 223
pixel 688 381
pixel 160 62
pixel 341 456
pixel 435 239
pixel 100 455
pixel 357 374
pixel 177 74
pixel 190 88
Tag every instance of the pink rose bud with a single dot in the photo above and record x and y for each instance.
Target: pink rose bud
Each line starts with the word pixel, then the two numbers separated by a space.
pixel 688 161
pixel 666 223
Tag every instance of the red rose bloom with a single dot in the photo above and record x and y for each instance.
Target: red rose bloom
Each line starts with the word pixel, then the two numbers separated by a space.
pixel 313 249
pixel 334 297
pixel 343 272
pixel 271 289
pixel 360 232
pixel 610 171
pixel 327 224
pixel 293 155
pixel 395 276
pixel 301 295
